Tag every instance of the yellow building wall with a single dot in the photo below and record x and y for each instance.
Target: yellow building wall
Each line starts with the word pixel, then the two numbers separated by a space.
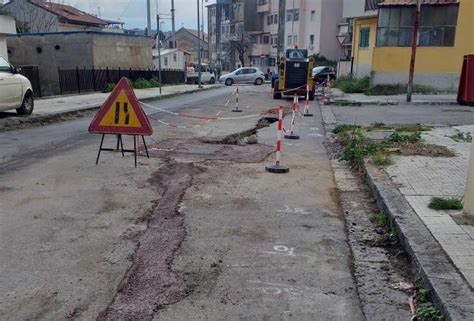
pixel 364 55
pixel 432 59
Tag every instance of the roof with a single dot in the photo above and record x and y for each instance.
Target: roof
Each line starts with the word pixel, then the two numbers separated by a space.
pixel 164 52
pixel 193 32
pixel 71 14
pixel 413 2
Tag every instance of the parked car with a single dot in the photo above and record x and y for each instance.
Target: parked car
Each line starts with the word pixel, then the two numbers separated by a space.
pixel 320 74
pixel 192 74
pixel 15 90
pixel 250 75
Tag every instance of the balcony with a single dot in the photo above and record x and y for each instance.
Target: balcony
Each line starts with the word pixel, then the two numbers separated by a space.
pixel 263 6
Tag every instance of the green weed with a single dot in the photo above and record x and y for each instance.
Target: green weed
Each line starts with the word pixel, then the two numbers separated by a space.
pixel 427 312
pixel 449 203
pixel 381 159
pixel 350 84
pixel 108 88
pixel 413 128
pixel 381 219
pixel 344 128
pixel 401 138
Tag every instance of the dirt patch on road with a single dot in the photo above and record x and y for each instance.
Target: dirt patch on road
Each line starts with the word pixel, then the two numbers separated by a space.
pixel 198 151
pixel 151 283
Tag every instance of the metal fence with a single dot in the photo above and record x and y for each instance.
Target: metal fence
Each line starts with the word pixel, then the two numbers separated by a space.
pixel 85 80
pixel 32 73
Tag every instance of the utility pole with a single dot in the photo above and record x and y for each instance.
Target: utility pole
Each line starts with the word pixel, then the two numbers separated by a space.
pixel 158 46
pixel 414 44
pixel 148 18
pixel 173 30
pixel 199 45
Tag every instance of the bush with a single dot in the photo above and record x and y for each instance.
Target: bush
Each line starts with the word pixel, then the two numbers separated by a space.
pixel 141 83
pixel 451 203
pixel 349 84
pixel 108 88
pixel 154 82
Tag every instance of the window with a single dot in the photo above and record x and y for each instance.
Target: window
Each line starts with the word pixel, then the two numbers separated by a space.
pixel 293 15
pixel 311 40
pixel 165 61
pixel 295 39
pixel 268 20
pixel 254 39
pixel 290 39
pixel 252 71
pixel 313 15
pixel 275 19
pixel 266 39
pixel 175 57
pixel 272 62
pixel 395 26
pixel 296 15
pixel 364 38
pixel 438 25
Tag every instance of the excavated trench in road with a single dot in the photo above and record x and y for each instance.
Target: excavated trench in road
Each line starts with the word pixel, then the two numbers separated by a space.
pixel 151 284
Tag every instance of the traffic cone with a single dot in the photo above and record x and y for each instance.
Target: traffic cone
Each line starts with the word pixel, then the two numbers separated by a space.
pixel 278 168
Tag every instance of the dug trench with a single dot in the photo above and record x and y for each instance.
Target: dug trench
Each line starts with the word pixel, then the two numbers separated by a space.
pixel 151 284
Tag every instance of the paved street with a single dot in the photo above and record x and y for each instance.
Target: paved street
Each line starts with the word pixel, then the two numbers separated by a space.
pixel 198 232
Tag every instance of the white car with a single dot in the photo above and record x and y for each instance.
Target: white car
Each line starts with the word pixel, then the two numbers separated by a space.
pixel 250 75
pixel 15 90
pixel 192 74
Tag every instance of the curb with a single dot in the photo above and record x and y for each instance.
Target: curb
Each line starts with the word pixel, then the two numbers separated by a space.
pixel 449 290
pixel 11 123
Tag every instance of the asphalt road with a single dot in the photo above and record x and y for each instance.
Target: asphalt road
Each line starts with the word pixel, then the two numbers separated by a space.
pixel 197 232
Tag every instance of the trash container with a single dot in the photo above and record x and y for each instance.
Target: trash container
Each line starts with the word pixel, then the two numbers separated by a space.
pixel 466 83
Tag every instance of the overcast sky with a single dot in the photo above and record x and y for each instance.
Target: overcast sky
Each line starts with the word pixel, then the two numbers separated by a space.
pixel 133 12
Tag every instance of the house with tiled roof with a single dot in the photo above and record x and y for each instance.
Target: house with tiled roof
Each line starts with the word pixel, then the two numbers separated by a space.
pixel 38 16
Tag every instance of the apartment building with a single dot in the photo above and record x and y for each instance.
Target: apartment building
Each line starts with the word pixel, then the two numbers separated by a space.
pixel 271 26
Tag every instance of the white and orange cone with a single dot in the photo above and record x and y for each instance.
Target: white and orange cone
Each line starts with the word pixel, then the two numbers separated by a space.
pixel 278 168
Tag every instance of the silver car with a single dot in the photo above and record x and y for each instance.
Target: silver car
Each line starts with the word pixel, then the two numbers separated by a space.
pixel 250 75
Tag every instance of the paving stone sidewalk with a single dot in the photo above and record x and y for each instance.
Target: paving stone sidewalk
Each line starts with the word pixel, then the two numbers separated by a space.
pixel 421 178
pixel 417 99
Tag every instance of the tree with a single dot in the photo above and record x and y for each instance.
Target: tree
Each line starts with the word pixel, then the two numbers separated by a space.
pixel 32 18
pixel 240 44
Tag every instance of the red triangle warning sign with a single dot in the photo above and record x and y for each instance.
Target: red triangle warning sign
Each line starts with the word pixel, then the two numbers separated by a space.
pixel 121 114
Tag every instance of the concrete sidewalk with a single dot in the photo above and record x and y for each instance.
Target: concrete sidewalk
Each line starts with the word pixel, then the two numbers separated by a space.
pixel 417 99
pixel 67 105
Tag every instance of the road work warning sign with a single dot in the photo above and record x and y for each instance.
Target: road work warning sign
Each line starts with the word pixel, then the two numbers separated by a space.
pixel 121 114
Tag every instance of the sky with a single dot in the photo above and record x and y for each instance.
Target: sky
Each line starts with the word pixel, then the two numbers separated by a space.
pixel 133 12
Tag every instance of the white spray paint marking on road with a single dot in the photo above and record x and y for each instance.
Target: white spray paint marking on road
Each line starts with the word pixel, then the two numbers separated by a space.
pixel 294 210
pixel 315 135
pixel 276 289
pixel 281 249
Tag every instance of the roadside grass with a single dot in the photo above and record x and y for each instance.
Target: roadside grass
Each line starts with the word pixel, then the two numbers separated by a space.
pixel 425 309
pixel 350 84
pixel 381 219
pixel 357 146
pixel 462 137
pixel 446 203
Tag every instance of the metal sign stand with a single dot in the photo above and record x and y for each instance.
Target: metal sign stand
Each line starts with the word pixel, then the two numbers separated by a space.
pixel 120 144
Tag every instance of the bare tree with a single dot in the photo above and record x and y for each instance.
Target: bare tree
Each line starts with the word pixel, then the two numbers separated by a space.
pixel 240 44
pixel 33 18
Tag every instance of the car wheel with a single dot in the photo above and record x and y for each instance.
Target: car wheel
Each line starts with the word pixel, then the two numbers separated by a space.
pixel 229 82
pixel 259 81
pixel 212 81
pixel 27 105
